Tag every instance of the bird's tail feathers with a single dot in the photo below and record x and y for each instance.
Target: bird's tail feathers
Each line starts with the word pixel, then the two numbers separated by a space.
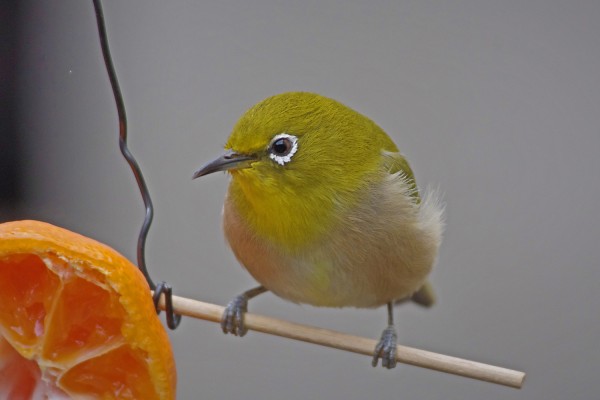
pixel 425 296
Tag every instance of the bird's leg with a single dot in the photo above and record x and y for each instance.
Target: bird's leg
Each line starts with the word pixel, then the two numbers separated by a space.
pixel 232 320
pixel 386 348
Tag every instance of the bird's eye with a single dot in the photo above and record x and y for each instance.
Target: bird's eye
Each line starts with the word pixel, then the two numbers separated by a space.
pixel 282 148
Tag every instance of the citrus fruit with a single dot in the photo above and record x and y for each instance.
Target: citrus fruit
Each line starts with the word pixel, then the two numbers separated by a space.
pixel 76 320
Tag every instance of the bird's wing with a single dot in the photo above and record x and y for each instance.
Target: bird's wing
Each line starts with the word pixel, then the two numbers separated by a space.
pixel 395 162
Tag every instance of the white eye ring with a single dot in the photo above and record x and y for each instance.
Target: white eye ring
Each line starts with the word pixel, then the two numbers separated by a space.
pixel 282 158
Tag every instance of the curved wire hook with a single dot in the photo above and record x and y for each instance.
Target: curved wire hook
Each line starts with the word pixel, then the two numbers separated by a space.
pixel 173 319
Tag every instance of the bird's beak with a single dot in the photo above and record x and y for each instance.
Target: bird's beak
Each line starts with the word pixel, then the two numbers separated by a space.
pixel 227 161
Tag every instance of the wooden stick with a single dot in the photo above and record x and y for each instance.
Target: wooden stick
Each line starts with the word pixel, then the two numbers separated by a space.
pixel 355 344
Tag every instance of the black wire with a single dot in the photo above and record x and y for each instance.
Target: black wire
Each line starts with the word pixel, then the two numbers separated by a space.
pixel 172 319
pixel 123 144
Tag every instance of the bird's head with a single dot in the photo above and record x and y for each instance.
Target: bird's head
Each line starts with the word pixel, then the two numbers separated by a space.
pixel 300 154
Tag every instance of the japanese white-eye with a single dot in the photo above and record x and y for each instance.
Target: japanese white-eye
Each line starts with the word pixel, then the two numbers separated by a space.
pixel 323 209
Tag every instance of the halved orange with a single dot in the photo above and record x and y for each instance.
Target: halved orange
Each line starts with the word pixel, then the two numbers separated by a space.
pixel 76 320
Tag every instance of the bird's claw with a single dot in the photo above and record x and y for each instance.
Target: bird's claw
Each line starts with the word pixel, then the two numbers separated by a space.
pixel 232 320
pixel 386 349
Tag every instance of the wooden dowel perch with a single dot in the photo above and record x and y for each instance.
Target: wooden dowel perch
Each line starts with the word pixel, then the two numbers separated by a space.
pixel 355 344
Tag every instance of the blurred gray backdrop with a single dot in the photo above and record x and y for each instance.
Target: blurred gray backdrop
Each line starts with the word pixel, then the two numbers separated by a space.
pixel 496 103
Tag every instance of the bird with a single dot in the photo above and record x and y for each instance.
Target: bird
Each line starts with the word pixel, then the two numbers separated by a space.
pixel 323 209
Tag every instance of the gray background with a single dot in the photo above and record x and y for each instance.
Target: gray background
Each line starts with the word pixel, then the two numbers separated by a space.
pixel 496 103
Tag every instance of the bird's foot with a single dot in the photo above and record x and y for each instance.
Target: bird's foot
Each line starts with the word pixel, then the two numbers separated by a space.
pixel 232 320
pixel 386 348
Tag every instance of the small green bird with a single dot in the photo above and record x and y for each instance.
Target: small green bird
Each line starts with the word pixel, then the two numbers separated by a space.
pixel 322 209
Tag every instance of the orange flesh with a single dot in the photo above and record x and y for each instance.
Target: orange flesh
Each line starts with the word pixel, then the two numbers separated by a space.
pixel 121 370
pixel 69 323
pixel 20 374
pixel 85 316
pixel 25 296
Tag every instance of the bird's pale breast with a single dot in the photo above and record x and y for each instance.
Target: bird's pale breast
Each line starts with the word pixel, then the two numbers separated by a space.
pixel 379 251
